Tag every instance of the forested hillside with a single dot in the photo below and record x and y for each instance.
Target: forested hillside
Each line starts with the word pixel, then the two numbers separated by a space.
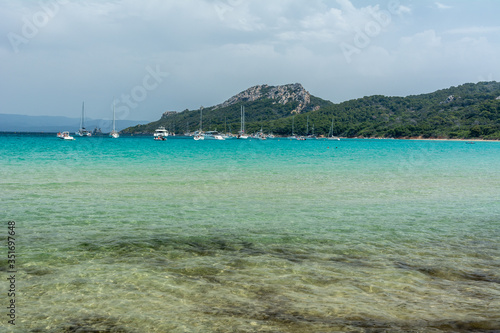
pixel 466 111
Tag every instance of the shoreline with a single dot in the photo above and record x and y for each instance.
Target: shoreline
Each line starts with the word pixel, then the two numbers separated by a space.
pixel 419 138
pixel 414 138
pixel 445 139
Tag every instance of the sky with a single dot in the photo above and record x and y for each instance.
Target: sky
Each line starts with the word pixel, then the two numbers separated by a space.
pixel 151 56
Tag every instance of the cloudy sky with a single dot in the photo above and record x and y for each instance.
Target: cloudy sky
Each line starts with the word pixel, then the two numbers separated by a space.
pixel 157 55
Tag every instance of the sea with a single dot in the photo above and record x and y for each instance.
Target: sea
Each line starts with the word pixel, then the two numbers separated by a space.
pixel 357 235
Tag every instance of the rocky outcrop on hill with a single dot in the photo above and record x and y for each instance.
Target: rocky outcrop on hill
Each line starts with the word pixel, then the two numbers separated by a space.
pixel 168 114
pixel 280 94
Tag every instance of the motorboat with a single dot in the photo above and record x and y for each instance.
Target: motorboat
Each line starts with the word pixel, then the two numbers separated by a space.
pixel 260 135
pixel 213 135
pixel 228 136
pixel 65 136
pixel 198 135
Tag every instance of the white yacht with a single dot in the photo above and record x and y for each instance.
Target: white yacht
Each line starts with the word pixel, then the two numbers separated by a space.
pixel 161 134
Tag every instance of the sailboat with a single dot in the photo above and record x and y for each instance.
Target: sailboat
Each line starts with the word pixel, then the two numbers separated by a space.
pixel 241 133
pixel 198 135
pixel 114 134
pixel 307 126
pixel 330 134
pixel 293 136
pixel 312 135
pixel 187 133
pixel 82 131
pixel 227 135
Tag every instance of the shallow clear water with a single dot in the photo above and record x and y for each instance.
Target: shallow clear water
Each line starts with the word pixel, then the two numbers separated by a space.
pixel 133 235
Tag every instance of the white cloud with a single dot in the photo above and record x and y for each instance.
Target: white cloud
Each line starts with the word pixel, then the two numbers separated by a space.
pixel 442 6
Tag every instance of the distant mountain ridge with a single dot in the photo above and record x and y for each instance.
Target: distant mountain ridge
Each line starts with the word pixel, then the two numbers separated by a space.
pixel 24 123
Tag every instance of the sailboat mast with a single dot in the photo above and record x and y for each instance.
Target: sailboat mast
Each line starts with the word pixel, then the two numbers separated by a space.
pixel 83 114
pixel 201 118
pixel 113 115
pixel 242 119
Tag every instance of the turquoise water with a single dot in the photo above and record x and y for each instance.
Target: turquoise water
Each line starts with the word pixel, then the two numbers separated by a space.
pixel 134 235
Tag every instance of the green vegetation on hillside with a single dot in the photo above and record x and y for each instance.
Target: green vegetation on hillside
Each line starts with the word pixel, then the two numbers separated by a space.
pixel 260 113
pixel 466 111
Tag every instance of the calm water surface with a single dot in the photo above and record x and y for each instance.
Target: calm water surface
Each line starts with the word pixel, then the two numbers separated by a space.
pixel 133 235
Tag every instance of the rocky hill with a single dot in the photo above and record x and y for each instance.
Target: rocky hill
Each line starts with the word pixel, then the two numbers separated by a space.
pixel 278 94
pixel 263 103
